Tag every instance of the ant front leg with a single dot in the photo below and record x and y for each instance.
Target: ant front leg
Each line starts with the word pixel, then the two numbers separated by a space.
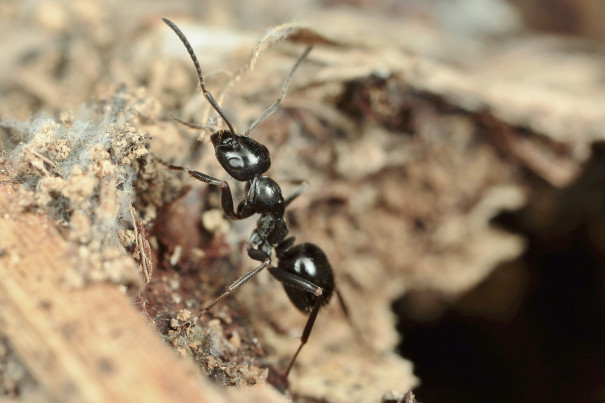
pixel 226 196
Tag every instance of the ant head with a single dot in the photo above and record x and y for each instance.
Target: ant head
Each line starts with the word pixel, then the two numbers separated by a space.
pixel 241 156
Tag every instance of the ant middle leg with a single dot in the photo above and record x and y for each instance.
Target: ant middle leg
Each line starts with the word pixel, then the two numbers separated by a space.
pixel 238 283
pixel 255 249
pixel 254 253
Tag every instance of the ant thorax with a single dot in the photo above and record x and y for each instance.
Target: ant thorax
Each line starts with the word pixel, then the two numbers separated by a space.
pixel 265 195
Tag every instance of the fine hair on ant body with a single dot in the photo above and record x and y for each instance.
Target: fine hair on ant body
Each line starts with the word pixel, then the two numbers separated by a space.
pixel 303 269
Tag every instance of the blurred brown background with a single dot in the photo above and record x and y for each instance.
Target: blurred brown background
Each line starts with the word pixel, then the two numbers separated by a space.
pixel 455 155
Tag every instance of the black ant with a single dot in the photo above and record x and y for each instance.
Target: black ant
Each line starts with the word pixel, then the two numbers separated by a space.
pixel 303 269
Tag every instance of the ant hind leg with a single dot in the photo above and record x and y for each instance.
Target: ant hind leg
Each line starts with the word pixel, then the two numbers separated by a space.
pixel 302 284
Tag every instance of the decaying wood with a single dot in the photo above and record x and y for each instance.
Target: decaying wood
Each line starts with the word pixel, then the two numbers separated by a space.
pixel 82 344
pixel 142 248
pixel 412 140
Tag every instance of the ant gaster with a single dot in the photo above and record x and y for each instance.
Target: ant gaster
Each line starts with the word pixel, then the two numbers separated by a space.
pixel 303 269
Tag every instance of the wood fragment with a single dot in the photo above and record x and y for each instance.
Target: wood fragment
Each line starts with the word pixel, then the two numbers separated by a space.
pixel 87 344
pixel 142 248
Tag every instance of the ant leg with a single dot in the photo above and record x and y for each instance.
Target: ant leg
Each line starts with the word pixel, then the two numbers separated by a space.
pixel 279 100
pixel 293 280
pixel 226 197
pixel 237 284
pixel 306 332
pixel 254 247
pixel 243 211
pixel 345 310
pixel 299 191
pixel 255 254
pixel 341 301
pixel 296 281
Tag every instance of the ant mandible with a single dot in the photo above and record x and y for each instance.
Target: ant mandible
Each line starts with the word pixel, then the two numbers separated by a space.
pixel 303 269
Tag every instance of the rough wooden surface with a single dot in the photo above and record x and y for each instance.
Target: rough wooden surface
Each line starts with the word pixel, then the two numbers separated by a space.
pixel 87 344
pixel 418 127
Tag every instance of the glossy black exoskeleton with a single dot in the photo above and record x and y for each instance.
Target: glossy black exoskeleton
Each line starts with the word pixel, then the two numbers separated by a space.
pixel 303 269
pixel 243 157
pixel 308 262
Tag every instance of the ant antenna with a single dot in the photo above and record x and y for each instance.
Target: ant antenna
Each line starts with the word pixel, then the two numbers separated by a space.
pixel 206 93
pixel 191 125
pixel 279 100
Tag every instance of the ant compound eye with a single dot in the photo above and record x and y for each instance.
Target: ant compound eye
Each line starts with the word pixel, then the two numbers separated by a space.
pixel 235 163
